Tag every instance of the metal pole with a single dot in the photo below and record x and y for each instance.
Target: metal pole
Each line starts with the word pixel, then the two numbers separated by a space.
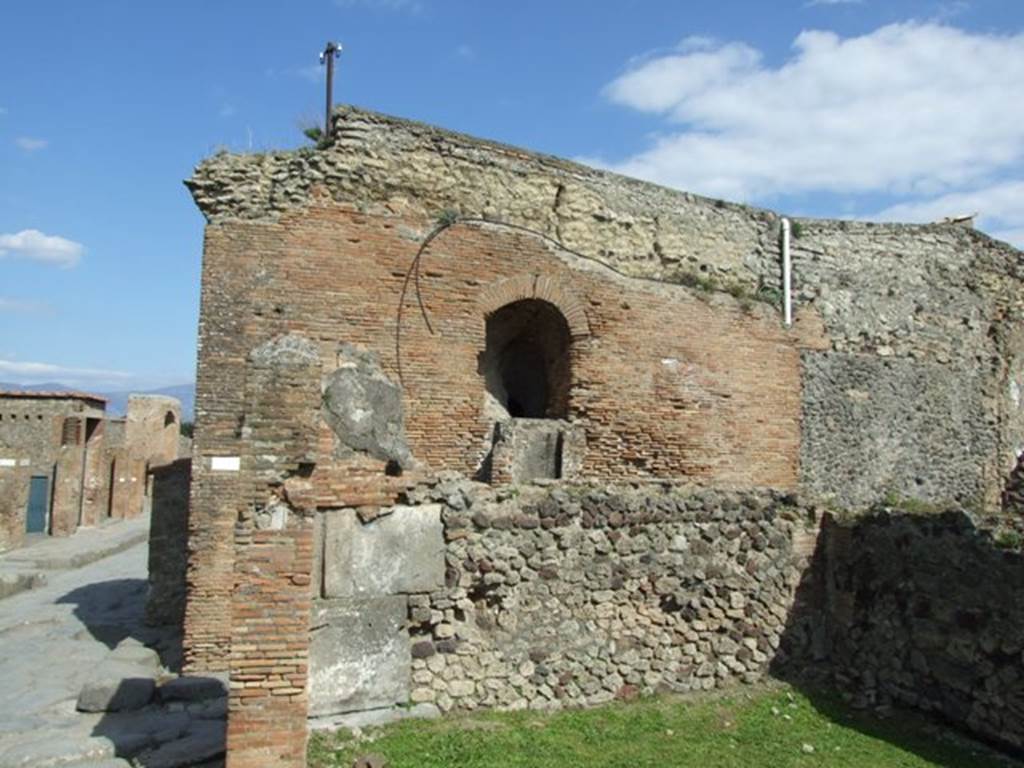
pixel 331 52
pixel 330 93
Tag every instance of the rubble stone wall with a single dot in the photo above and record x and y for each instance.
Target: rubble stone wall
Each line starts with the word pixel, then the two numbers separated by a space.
pixel 927 611
pixel 557 596
pixel 577 596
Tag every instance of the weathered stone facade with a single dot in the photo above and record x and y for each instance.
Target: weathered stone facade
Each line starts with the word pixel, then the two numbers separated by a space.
pixel 168 543
pixel 86 466
pixel 571 595
pixel 407 301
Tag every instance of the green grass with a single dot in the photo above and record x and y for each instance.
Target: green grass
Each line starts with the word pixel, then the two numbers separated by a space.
pixel 776 727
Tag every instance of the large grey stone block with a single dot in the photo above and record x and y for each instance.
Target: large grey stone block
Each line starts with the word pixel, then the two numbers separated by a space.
pixel 397 553
pixel 117 686
pixel 359 655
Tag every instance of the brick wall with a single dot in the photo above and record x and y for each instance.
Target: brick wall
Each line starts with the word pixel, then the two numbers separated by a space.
pixel 667 383
pixel 270 611
pixel 228 273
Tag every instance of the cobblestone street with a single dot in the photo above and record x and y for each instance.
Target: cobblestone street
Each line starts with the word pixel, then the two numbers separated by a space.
pixel 83 629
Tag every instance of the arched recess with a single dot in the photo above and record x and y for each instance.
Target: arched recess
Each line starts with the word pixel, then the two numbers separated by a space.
pixel 525 363
pixel 546 288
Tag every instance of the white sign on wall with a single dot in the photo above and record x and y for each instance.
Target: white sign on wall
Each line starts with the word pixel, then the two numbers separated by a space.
pixel 225 463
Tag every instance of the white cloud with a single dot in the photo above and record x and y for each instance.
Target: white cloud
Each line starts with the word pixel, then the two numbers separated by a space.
pixel 314 72
pixel 30 144
pixel 909 109
pixel 3 111
pixel 33 244
pixel 465 52
pixel 812 3
pixel 226 110
pixel 1000 209
pixel 19 372
pixel 23 306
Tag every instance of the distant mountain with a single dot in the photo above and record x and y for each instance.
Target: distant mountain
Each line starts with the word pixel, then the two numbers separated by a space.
pixel 117 402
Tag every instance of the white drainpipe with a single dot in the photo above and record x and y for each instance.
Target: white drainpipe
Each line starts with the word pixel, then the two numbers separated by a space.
pixel 787 276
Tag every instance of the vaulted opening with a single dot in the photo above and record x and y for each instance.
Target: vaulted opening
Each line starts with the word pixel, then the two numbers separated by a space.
pixel 526 360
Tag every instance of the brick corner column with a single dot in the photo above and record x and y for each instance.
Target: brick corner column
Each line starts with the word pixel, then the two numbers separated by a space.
pixel 269 660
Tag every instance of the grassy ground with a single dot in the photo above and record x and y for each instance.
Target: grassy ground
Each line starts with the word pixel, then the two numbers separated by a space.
pixel 776 727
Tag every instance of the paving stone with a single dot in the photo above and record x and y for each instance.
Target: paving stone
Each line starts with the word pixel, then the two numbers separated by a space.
pixel 55 749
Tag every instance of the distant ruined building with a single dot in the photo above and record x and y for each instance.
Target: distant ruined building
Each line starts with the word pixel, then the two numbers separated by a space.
pixel 478 427
pixel 66 463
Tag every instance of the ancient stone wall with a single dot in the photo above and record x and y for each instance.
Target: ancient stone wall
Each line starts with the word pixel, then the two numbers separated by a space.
pixel 14 486
pixel 61 438
pixel 942 299
pixel 168 544
pixel 667 381
pixel 901 376
pixel 929 420
pixel 926 611
pixel 563 595
pixel 152 425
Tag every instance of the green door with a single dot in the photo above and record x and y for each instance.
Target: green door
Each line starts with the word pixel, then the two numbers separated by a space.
pixel 38 498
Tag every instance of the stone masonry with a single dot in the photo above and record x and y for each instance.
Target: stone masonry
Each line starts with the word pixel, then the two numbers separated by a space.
pixel 90 467
pixel 405 308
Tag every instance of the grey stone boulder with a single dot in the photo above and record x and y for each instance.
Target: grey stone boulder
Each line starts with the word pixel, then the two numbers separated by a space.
pixel 133 732
pixel 117 686
pixel 136 654
pixel 192 689
pixel 364 408
pixel 204 740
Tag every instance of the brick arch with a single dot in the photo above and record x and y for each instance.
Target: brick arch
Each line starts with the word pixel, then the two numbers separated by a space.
pixel 544 287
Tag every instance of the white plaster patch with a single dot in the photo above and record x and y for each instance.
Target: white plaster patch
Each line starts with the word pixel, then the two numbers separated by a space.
pixel 225 463
pixel 1015 392
pixel 8 463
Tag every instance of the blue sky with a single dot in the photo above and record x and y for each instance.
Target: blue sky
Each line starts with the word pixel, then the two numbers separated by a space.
pixel 891 109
